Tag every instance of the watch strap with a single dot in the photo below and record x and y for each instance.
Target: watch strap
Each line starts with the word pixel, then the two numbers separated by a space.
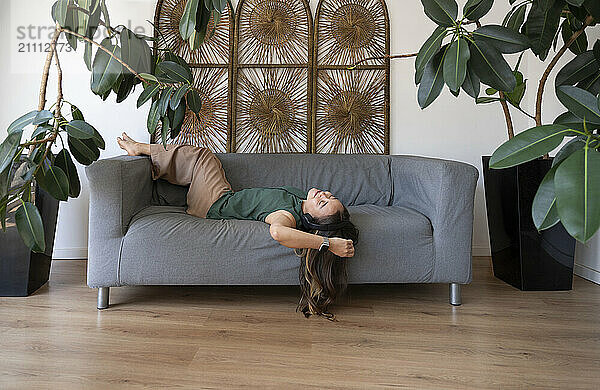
pixel 324 244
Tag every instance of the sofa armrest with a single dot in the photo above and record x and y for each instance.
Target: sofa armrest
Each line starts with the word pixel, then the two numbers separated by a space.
pixel 119 188
pixel 444 192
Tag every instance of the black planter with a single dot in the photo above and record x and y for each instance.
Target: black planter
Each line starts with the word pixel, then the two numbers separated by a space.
pixel 22 272
pixel 521 256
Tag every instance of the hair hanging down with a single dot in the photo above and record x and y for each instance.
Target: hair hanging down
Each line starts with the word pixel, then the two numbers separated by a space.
pixel 323 275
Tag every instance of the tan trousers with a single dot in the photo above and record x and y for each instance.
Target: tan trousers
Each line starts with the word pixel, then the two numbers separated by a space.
pixel 190 165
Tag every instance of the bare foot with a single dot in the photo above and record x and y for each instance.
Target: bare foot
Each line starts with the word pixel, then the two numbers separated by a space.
pixel 129 145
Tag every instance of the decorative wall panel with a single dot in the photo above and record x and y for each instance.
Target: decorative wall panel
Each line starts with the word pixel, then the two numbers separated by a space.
pixel 272 77
pixel 212 68
pixel 351 107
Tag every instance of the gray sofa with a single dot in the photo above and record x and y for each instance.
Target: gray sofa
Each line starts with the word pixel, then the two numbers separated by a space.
pixel 415 217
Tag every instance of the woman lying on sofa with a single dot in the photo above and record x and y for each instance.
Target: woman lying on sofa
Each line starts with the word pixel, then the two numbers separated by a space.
pixel 315 222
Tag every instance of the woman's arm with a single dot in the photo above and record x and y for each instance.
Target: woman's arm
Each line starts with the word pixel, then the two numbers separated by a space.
pixel 286 235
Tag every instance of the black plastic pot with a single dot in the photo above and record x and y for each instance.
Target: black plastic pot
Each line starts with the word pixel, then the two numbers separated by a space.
pixel 521 256
pixel 22 272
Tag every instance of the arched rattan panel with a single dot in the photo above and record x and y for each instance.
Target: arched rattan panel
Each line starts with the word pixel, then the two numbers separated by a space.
pixel 212 68
pixel 351 108
pixel 272 70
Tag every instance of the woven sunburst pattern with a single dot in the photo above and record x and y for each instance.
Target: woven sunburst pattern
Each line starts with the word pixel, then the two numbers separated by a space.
pixel 351 30
pixel 214 50
pixel 274 31
pixel 271 111
pixel 350 112
pixel 209 127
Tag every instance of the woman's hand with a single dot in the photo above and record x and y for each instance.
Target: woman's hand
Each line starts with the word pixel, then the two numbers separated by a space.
pixel 341 247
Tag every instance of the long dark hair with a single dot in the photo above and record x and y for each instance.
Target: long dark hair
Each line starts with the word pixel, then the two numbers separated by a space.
pixel 323 275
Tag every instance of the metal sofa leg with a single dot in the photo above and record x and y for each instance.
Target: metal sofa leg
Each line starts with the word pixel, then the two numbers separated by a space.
pixel 455 298
pixel 103 293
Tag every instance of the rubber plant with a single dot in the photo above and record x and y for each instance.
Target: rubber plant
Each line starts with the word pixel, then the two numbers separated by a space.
pixel 463 53
pixel 122 61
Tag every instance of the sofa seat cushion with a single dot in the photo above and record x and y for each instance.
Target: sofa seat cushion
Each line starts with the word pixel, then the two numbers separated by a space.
pixel 164 245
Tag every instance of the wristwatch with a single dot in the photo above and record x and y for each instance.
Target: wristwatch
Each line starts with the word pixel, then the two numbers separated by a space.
pixel 324 244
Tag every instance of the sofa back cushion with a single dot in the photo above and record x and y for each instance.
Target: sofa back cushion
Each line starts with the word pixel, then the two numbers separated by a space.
pixel 354 179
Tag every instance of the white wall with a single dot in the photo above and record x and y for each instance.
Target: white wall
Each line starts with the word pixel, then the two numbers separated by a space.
pixel 451 128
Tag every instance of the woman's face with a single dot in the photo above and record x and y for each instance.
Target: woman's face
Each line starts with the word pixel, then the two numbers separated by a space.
pixel 321 204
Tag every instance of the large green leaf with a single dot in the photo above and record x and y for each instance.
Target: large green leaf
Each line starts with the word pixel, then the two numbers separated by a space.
pixel 579 102
pixel 126 87
pixel 443 12
pixel 163 101
pixel 106 69
pixel 177 120
pixel 178 60
pixel 65 163
pixel 84 26
pixel 178 95
pixel 76 113
pixel 544 211
pixel 577 184
pixel 502 38
pixel 71 24
pixel 98 140
pixel 477 9
pixel 149 92
pixel 455 64
pixel 542 24
pixel 80 129
pixel 105 12
pixel 593 7
pixel 30 227
pixel 578 69
pixel 187 23
pixel 568 149
pixel 84 150
pixel 42 117
pixel 515 20
pixel 130 51
pixel 165 130
pixel 491 67
pixel 59 12
pixel 55 181
pixel 20 123
pixel 135 52
pixel 569 25
pixel 153 117
pixel 8 149
pixel 516 96
pixel 87 55
pixel 472 83
pixel 571 120
pixel 430 48
pixel 433 79
pixel 194 101
pixel 202 20
pixel 529 145
pixel 175 72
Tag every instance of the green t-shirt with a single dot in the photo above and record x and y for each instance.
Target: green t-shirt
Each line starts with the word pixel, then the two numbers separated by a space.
pixel 257 203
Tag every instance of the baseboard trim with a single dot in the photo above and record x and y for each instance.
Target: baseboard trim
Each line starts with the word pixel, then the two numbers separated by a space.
pixel 70 253
pixel 587 273
pixel 481 250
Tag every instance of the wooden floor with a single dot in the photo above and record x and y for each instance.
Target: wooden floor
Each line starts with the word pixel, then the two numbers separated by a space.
pixel 388 336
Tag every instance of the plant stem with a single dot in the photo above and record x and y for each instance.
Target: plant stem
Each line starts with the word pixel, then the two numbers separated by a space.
pixel 383 58
pixel 136 74
pixel 538 107
pixel 509 122
pixel 46 72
